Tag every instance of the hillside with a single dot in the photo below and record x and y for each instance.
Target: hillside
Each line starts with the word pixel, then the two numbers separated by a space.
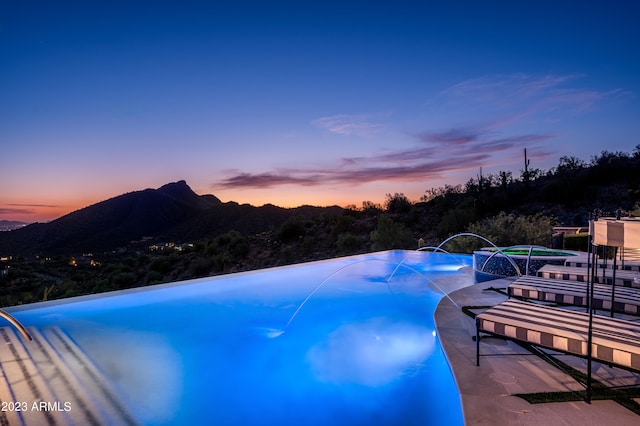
pixel 172 212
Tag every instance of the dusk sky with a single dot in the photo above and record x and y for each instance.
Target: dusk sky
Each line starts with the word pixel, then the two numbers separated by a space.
pixel 302 102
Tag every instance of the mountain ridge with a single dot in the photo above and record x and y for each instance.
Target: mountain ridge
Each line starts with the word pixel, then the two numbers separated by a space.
pixel 170 212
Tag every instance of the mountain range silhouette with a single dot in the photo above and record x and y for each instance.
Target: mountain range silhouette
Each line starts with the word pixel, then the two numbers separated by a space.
pixel 172 212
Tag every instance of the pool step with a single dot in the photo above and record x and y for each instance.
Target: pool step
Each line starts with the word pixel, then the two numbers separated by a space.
pixel 50 381
pixel 623 278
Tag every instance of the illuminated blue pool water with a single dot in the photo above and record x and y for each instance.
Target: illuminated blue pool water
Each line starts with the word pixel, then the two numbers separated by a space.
pixel 362 350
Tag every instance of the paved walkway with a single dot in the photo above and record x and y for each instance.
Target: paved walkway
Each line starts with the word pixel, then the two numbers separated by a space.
pixel 506 369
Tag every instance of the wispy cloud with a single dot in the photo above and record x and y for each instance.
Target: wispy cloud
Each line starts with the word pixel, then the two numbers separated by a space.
pixel 355 176
pixel 416 163
pixel 505 89
pixel 513 98
pixel 491 118
pixel 51 206
pixel 15 211
pixel 357 125
pixel 453 136
pixel 267 180
pixel 20 209
pixel 435 155
pixel 480 139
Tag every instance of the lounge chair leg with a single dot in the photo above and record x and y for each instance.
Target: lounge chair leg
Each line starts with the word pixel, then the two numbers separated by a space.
pixel 477 344
pixel 613 279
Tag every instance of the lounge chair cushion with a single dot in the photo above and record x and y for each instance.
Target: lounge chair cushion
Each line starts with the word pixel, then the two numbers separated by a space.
pixel 623 278
pixel 627 300
pixel 615 341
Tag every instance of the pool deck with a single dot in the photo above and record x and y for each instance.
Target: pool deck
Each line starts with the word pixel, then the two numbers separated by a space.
pixel 486 391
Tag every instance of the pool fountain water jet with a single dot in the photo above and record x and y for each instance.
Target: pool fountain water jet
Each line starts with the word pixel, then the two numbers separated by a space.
pixel 422 275
pixel 471 234
pixel 439 248
pixel 275 332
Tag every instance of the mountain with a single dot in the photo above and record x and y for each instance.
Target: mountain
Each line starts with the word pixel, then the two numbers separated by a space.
pixel 10 225
pixel 172 212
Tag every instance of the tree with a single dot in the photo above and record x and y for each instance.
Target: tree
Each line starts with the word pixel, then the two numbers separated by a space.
pixel 441 192
pixel 397 203
pixel 608 158
pixel 370 207
pixel 569 165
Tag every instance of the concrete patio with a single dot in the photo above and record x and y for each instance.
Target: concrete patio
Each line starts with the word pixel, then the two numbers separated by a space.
pixel 486 391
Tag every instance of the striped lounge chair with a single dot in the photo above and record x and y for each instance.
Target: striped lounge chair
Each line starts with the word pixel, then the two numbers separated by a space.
pixel 622 266
pixel 627 300
pixel 623 278
pixel 615 341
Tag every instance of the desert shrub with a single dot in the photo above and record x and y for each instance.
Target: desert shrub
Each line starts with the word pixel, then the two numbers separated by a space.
pixel 347 242
pixel 130 262
pixel 230 245
pixel 211 248
pixel 455 220
pixel 160 264
pixel 286 255
pixel 163 263
pixel 142 259
pixel 508 229
pixel 124 280
pixel 239 247
pixel 579 242
pixel 344 223
pixel 291 230
pixel 464 244
pixel 391 235
pixel 220 260
pixel 308 244
pixel 154 277
pixel 200 267
pixel 100 286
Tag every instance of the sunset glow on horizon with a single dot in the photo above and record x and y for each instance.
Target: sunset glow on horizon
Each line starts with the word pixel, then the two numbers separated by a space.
pixel 294 103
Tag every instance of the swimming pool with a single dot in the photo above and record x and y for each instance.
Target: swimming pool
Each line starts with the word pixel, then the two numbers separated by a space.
pixel 254 348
